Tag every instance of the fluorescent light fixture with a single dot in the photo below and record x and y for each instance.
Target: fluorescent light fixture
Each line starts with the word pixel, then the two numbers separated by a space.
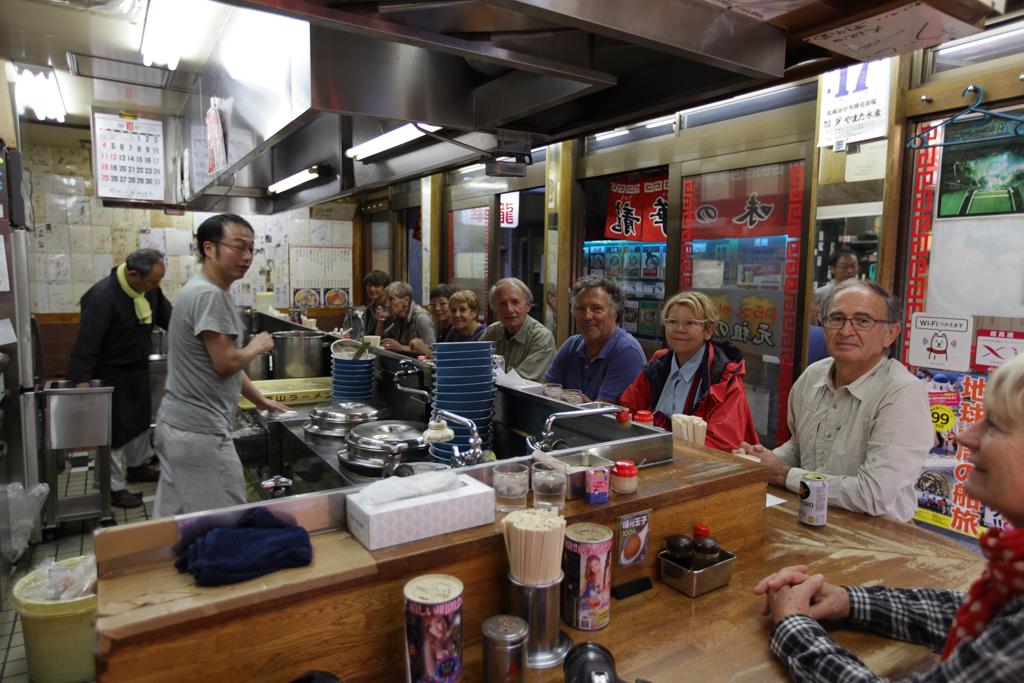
pixel 609 136
pixel 167 21
pixel 980 41
pixel 471 169
pixel 661 122
pixel 738 98
pixel 293 181
pixel 390 140
pixel 37 89
pixel 538 150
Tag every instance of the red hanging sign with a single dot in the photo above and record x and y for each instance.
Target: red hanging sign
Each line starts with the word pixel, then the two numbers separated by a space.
pixel 655 211
pixel 625 204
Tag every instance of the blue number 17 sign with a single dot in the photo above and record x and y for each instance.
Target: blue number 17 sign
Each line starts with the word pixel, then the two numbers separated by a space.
pixel 855 103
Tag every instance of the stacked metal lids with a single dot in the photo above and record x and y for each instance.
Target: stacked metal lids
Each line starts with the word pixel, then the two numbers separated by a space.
pixel 369 445
pixel 463 385
pixel 353 380
pixel 329 423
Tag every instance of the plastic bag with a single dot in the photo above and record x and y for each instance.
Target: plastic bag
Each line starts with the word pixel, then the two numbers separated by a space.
pixel 62 583
pixel 24 506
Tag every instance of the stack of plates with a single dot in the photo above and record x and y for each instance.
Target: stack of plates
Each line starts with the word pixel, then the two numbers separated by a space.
pixel 464 385
pixel 352 380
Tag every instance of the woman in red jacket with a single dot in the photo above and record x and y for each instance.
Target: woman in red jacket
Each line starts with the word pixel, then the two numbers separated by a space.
pixel 695 375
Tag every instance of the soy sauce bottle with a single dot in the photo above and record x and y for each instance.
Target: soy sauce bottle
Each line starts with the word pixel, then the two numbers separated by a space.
pixel 705 548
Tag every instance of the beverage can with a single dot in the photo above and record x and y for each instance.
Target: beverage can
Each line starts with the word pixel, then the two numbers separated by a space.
pixel 433 629
pixel 586 590
pixel 813 499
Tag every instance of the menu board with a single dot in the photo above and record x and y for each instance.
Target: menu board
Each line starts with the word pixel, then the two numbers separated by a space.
pixel 129 157
pixel 320 275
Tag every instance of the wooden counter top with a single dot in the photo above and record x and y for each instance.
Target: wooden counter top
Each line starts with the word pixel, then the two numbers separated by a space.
pixel 353 627
pixel 663 635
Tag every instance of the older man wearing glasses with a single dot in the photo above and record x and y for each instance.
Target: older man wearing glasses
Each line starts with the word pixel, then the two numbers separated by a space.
pixel 859 417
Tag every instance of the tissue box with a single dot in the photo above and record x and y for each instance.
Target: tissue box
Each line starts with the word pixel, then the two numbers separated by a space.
pixel 412 519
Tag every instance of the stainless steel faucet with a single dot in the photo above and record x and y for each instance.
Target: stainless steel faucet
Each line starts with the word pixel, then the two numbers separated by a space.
pixel 548 442
pixel 408 369
pixel 471 456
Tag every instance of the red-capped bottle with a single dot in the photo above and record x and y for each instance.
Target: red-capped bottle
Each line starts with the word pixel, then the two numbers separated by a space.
pixel 705 548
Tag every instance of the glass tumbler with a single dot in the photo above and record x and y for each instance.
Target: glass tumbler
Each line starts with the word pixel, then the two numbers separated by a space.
pixel 552 390
pixel 573 396
pixel 549 484
pixel 511 484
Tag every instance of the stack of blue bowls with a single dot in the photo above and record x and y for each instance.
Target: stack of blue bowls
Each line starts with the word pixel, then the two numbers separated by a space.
pixel 353 380
pixel 464 385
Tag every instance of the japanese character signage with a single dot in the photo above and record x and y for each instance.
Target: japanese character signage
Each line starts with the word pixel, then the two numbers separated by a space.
pixel 996 347
pixel 625 210
pixel 899 31
pixel 509 210
pixel 129 157
pixel 942 342
pixel 655 211
pixel 957 402
pixel 748 202
pixel 855 103
pixel 638 207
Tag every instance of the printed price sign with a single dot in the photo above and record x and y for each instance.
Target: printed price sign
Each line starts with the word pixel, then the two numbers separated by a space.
pixel 943 418
pixel 129 157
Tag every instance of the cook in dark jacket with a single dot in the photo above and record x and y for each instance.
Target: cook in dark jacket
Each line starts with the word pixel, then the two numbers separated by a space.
pixel 113 345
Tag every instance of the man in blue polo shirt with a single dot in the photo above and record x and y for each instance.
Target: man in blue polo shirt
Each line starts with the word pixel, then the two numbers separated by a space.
pixel 603 359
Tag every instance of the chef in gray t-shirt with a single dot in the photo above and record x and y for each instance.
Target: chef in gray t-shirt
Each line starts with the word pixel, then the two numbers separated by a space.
pixel 199 468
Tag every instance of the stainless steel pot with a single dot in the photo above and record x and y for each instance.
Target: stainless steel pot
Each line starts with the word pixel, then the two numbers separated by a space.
pixel 299 353
pixel 368 446
pixel 330 423
pixel 259 367
pixel 158 350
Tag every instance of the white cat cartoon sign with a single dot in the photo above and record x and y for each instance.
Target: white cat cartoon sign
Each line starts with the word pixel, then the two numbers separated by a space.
pixel 940 342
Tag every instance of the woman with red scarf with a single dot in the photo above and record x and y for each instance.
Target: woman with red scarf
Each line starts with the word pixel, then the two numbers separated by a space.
pixel 981 633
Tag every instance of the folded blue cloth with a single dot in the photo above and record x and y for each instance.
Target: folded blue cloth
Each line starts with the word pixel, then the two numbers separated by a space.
pixel 255 545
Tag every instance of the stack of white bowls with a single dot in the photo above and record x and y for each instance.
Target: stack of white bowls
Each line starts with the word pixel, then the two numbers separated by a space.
pixel 464 385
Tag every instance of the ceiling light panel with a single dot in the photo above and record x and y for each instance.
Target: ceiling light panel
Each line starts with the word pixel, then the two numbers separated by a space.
pixel 115 70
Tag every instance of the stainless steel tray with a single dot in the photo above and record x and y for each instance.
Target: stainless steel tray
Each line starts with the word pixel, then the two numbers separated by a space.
pixel 700 582
pixel 578 480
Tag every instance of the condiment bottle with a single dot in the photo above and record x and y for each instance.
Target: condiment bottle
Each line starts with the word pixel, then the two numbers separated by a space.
pixel 644 417
pixel 624 477
pixel 680 549
pixel 624 419
pixel 705 548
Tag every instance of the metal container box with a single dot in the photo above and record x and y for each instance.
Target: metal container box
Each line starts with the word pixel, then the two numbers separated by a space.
pixel 77 418
pixel 578 480
pixel 700 582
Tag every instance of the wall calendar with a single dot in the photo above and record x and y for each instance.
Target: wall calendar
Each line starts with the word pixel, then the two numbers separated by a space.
pixel 129 157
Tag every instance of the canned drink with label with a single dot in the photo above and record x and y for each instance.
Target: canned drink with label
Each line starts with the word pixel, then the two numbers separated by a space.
pixel 586 590
pixel 433 629
pixel 813 499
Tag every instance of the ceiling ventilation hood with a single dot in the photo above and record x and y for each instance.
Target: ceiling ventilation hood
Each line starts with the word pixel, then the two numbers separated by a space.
pixel 299 84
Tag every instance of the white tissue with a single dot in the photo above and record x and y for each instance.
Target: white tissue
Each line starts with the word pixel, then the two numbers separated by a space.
pixel 512 379
pixel 400 488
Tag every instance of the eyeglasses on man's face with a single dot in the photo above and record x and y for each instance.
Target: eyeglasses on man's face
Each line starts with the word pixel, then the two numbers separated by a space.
pixel 690 323
pixel 239 249
pixel 859 322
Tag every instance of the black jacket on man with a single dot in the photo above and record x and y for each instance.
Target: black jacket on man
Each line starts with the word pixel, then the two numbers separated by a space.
pixel 113 346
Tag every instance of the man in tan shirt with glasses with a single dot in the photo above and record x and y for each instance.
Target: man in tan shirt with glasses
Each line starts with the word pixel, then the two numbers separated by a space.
pixel 859 417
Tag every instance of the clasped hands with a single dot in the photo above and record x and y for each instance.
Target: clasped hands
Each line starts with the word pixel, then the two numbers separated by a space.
pixel 776 470
pixel 791 591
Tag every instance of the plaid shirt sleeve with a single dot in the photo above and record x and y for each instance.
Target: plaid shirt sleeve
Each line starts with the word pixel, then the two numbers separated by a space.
pixel 996 656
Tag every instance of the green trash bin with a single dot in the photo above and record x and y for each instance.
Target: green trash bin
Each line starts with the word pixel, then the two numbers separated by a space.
pixel 60 638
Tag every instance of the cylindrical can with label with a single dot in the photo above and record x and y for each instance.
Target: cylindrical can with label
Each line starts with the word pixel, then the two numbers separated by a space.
pixel 505 649
pixel 813 499
pixel 586 561
pixel 433 629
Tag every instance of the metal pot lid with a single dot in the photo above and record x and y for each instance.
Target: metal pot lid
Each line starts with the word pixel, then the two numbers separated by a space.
pixel 376 436
pixel 337 433
pixel 333 413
